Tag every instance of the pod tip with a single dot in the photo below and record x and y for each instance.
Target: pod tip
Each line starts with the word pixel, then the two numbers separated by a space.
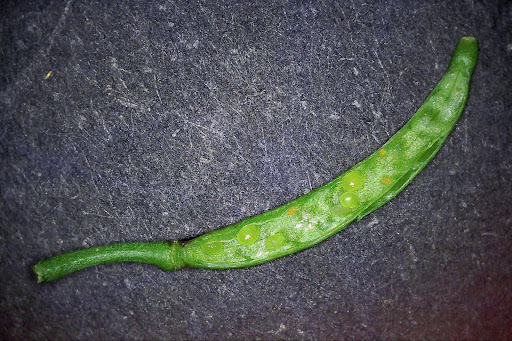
pixel 38 272
pixel 468 39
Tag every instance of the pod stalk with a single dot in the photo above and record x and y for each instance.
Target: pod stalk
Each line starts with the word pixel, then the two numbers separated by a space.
pixel 165 255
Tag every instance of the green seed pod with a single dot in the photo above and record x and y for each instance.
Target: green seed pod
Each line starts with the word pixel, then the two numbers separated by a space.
pixel 315 216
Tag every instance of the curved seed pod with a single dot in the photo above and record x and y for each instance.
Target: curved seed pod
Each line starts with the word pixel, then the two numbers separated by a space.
pixel 317 215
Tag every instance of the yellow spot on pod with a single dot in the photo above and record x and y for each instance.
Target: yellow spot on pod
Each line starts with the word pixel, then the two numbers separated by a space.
pixel 386 180
pixel 212 248
pixel 274 241
pixel 292 210
pixel 382 152
pixel 350 200
pixel 352 181
pixel 248 234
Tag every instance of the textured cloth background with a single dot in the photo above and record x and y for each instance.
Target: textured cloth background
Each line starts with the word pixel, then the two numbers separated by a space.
pixel 167 119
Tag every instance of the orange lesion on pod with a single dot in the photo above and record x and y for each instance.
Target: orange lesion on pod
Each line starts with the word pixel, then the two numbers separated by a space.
pixel 292 210
pixel 386 180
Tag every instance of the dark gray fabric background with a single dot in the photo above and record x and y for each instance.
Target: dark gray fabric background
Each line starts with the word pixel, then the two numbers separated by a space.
pixel 164 120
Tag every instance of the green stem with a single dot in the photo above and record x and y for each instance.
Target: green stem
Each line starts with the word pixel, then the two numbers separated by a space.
pixel 165 255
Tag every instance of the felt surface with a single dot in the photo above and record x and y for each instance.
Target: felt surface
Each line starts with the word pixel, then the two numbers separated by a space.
pixel 164 120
